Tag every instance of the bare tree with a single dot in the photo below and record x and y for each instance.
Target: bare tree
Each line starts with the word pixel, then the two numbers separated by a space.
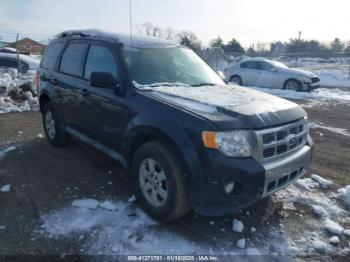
pixel 190 40
pixel 156 31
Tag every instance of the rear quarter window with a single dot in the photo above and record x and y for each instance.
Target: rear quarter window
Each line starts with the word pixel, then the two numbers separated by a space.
pixel 249 65
pixel 72 59
pixel 51 55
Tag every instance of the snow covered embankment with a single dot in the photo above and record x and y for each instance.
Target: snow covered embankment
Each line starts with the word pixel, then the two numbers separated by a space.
pixel 17 91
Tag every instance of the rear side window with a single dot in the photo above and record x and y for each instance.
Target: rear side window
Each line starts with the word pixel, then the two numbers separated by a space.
pixel 51 55
pixel 72 59
pixel 265 66
pixel 249 65
pixel 100 59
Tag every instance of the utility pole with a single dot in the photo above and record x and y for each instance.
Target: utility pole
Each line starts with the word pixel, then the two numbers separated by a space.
pixel 349 63
pixel 18 62
pixel 299 39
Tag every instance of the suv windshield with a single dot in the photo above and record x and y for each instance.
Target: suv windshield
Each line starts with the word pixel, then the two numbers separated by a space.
pixel 164 66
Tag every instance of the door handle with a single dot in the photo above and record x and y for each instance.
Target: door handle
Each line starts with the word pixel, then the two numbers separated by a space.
pixel 85 92
pixel 54 82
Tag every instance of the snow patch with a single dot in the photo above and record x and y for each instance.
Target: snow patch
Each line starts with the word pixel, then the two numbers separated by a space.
pixel 319 246
pixel 337 130
pixel 322 94
pixel 324 183
pixel 252 252
pixel 320 211
pixel 209 99
pixel 128 230
pixel 346 232
pixel 17 91
pixel 306 184
pixel 86 203
pixel 108 205
pixel 334 240
pixel 5 188
pixel 333 227
pixel 237 226
pixel 241 243
pixel 132 199
pixel 344 194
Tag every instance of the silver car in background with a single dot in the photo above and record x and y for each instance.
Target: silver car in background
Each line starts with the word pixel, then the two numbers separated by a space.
pixel 267 73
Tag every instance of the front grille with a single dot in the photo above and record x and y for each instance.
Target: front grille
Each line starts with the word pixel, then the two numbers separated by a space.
pixel 276 143
pixel 315 79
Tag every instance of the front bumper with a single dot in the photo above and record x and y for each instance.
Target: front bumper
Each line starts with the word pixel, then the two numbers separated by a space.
pixel 311 86
pixel 254 180
pixel 280 174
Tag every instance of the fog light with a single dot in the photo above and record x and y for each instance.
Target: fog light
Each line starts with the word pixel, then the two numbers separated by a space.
pixel 229 187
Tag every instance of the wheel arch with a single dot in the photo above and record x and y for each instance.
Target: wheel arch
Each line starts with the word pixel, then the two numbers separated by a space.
pixel 179 142
pixel 43 99
pixel 236 75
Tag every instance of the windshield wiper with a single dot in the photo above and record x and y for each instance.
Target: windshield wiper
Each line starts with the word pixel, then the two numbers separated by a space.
pixel 204 84
pixel 163 84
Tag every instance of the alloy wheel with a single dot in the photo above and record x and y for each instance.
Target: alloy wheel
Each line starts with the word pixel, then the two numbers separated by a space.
pixel 153 182
pixel 50 125
pixel 292 85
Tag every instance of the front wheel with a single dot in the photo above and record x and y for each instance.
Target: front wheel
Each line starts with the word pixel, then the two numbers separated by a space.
pixel 236 79
pixel 293 84
pixel 159 181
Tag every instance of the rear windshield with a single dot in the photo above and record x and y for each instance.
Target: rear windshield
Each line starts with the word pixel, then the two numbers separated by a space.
pixel 51 55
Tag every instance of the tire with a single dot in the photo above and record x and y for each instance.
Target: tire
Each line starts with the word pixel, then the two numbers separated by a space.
pixel 292 84
pixel 168 176
pixel 236 79
pixel 53 128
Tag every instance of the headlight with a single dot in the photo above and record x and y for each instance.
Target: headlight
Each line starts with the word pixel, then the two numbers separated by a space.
pixel 231 143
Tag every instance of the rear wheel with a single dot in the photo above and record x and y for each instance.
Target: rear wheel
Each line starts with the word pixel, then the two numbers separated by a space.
pixel 53 126
pixel 293 84
pixel 236 79
pixel 159 181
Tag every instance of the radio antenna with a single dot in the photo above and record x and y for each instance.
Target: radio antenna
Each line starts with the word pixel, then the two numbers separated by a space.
pixel 130 15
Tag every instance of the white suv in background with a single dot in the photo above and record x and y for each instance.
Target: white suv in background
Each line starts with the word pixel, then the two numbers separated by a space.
pixel 267 73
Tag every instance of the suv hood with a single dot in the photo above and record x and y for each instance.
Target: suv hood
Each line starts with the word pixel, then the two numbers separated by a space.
pixel 230 106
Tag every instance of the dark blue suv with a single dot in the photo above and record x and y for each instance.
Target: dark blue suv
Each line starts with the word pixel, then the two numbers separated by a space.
pixel 188 139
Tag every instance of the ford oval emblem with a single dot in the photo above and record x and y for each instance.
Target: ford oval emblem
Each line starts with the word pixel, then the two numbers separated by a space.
pixel 291 140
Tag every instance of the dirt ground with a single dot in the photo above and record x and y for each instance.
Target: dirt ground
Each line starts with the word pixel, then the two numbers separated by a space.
pixel 44 179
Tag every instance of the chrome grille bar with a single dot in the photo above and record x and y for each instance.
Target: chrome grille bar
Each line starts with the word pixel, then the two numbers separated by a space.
pixel 279 142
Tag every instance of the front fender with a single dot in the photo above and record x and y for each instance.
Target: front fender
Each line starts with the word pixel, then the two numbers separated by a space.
pixel 163 128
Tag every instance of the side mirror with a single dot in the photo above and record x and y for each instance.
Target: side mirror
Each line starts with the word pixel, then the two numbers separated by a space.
pixel 104 80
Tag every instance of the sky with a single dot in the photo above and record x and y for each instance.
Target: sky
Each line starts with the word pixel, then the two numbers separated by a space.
pixel 249 21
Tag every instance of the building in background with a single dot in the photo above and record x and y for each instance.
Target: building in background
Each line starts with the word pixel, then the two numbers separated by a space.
pixel 28 46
